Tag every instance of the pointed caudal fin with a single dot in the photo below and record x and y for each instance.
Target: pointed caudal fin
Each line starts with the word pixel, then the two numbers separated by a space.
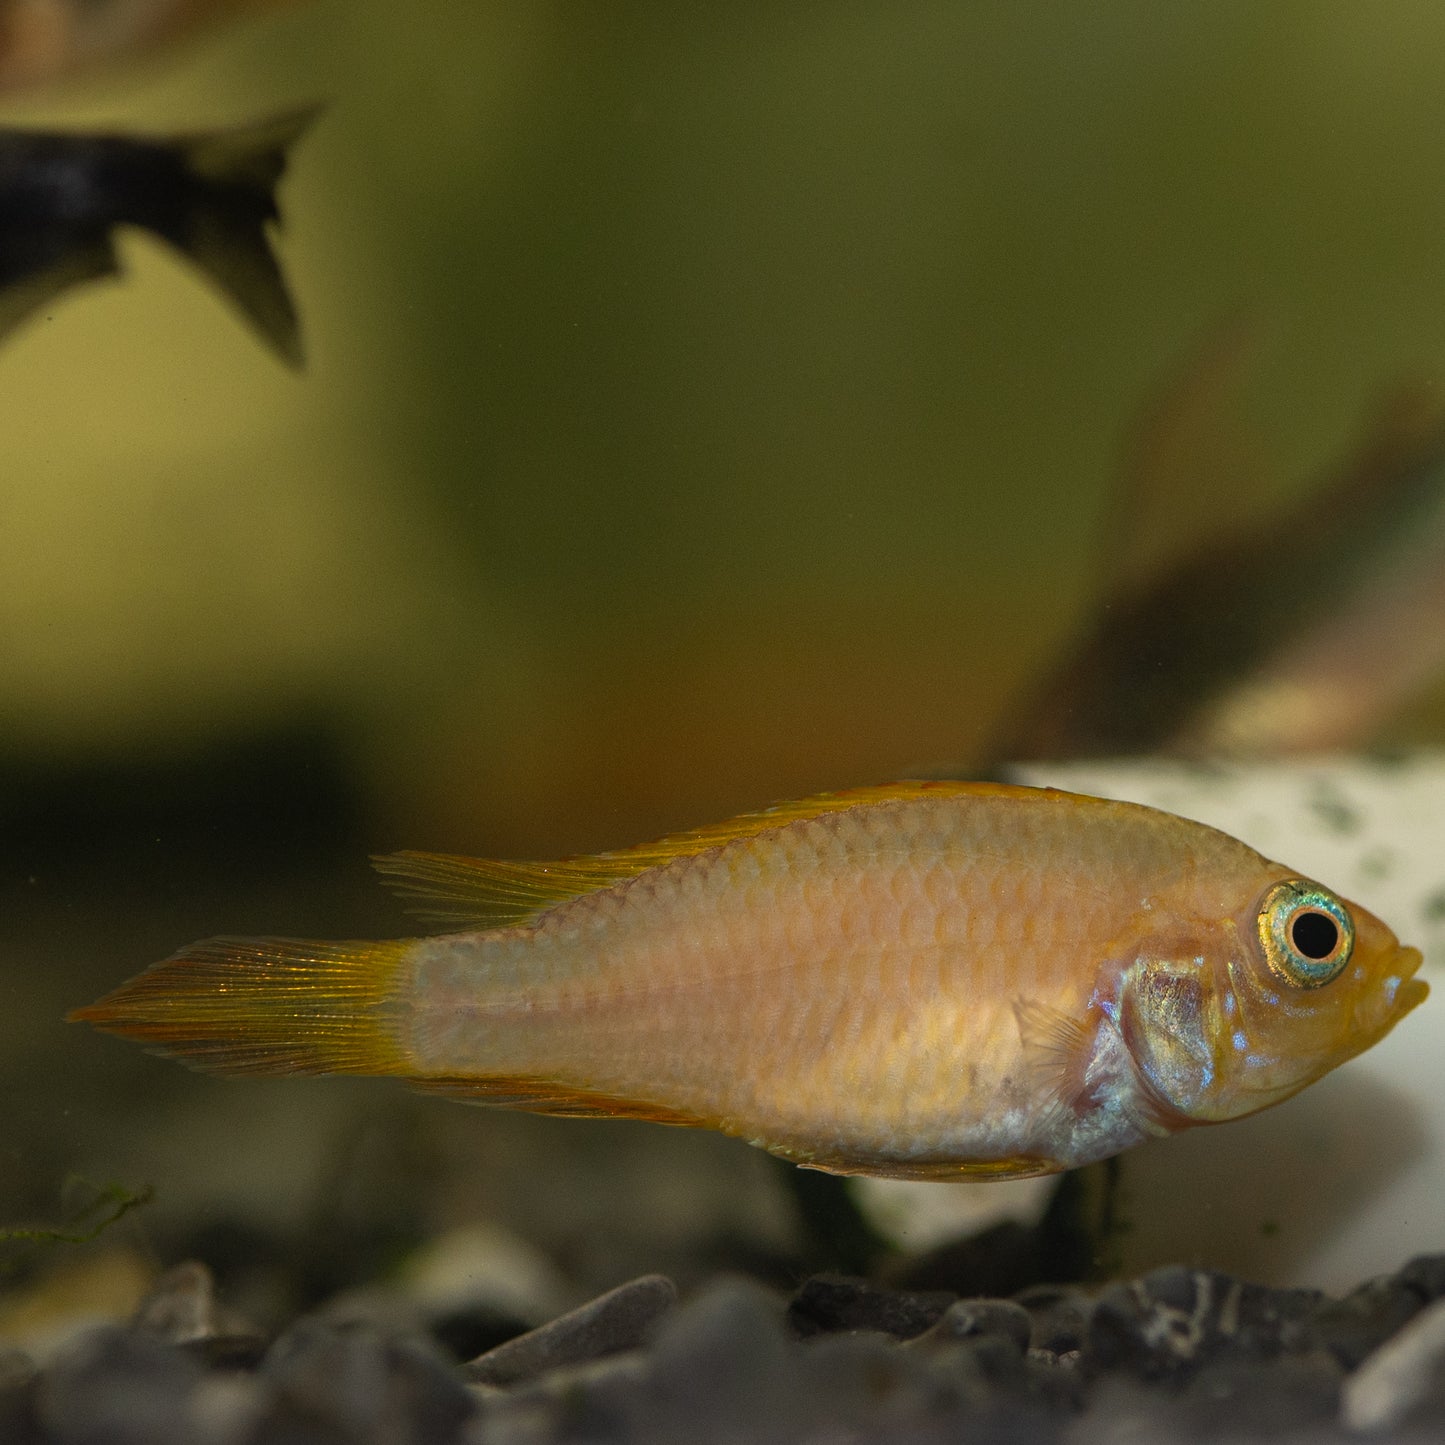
pixel 236 172
pixel 264 1006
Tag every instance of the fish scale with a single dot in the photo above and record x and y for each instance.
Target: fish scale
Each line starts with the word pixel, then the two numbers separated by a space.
pixel 934 980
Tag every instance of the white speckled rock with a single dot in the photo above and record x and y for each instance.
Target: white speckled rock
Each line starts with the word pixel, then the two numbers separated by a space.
pixel 1398 1376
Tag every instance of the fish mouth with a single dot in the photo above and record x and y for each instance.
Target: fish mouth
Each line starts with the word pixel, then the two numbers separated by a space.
pixel 1407 962
pixel 1397 993
pixel 1413 991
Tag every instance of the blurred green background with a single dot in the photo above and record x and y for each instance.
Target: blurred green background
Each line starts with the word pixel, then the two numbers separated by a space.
pixel 705 405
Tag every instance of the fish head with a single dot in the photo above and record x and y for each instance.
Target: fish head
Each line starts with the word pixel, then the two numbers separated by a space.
pixel 1265 999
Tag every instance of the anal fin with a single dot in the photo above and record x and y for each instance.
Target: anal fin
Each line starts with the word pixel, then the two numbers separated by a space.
pixel 955 1171
pixel 548 1096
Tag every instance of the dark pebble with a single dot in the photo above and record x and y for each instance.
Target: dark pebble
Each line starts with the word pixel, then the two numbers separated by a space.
pixel 1355 1326
pixel 733 1329
pixel 865 1386
pixel 828 1303
pixel 1008 1375
pixel 1058 1318
pixel 1123 1411
pixel 1180 1355
pixel 118 1387
pixel 721 1369
pixel 1251 1397
pixel 1171 1322
pixel 327 1383
pixel 1404 1380
pixel 848 1379
pixel 16 1369
pixel 180 1309
pixel 19 1416
pixel 474 1330
pixel 969 1319
pixel 597 1403
pixel 621 1319
pixel 1425 1275
pixel 724 1368
pixel 228 1352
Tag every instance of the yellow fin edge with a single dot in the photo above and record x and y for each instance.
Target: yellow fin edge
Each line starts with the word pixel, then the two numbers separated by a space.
pixel 484 892
pixel 548 1096
pixel 263 1006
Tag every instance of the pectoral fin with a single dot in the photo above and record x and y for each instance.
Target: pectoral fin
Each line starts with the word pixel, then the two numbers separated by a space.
pixel 1058 1050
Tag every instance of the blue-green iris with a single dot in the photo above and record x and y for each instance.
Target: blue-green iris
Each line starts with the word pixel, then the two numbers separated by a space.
pixel 1307 933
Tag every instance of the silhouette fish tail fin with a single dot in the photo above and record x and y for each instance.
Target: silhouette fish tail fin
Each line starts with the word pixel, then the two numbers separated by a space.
pixel 265 1006
pixel 236 173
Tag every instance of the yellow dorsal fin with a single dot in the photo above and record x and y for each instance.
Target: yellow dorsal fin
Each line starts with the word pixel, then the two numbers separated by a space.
pixel 491 893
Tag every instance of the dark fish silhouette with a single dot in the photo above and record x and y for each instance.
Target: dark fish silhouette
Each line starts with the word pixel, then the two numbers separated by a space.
pixel 211 195
pixel 1293 630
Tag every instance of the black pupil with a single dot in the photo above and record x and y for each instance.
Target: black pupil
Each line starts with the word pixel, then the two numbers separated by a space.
pixel 1314 934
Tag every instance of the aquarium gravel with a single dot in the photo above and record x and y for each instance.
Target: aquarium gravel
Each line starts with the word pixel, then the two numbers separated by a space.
pixel 1176 1355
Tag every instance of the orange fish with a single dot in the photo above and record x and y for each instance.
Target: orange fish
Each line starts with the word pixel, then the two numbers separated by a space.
pixel 929 980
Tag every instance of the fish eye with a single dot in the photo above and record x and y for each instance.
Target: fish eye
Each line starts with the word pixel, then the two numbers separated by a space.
pixel 1307 933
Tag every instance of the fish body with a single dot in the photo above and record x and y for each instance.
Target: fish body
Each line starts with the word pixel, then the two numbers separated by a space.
pixel 928 980
pixel 211 196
